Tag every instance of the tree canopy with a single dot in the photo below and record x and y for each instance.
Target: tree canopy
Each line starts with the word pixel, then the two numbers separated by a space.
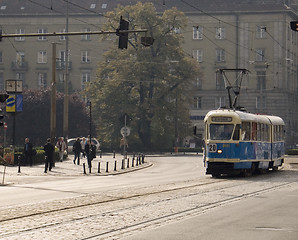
pixel 151 84
pixel 34 120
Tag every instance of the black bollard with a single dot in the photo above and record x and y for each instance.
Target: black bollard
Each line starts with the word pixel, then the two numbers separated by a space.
pixel 143 158
pixel 115 166
pixel 137 161
pixel 84 168
pixel 114 154
pixel 98 168
pixel 132 161
pixel 123 161
pixel 107 167
pixel 89 169
pixel 19 164
pixel 127 162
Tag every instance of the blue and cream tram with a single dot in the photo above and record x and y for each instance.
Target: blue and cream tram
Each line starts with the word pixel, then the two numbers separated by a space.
pixel 240 142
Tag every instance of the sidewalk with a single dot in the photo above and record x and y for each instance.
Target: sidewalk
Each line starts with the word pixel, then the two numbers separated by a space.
pixel 68 169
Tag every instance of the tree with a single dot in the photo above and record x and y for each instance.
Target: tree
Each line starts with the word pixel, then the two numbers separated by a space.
pixel 150 84
pixel 34 120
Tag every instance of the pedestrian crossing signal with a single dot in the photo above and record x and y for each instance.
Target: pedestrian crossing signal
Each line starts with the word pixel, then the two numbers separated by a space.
pixel 294 25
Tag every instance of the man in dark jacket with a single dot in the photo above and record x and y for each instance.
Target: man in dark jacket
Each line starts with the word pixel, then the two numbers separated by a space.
pixel 28 152
pixel 49 150
pixel 77 149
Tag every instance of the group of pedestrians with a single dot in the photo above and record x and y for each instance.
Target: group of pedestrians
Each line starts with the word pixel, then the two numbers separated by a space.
pixel 81 146
pixel 86 148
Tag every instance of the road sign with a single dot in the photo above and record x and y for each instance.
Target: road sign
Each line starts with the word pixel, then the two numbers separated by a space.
pixel 125 131
pixel 14 103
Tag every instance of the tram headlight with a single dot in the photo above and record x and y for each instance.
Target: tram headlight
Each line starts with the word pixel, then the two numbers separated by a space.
pixel 219 151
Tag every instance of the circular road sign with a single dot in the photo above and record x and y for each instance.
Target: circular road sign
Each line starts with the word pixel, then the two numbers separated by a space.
pixel 125 131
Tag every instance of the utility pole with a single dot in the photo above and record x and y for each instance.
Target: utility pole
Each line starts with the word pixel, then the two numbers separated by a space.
pixel 66 102
pixel 53 95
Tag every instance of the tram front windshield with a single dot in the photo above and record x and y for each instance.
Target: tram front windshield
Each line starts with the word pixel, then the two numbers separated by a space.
pixel 221 131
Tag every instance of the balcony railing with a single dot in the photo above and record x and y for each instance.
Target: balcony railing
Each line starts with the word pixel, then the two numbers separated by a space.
pixel 60 65
pixel 19 65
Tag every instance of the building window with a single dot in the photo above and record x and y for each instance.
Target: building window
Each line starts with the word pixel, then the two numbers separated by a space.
pixel 85 57
pixel 261 80
pixel 20 59
pixel 198 55
pixel 1 81
pixel 85 79
pixel 220 55
pixel 62 37
pixel 220 102
pixel 197 102
pixel 260 102
pixel 197 32
pixel 61 77
pixel 20 76
pixel 20 31
pixel 260 31
pixel 42 79
pixel 220 33
pixel 260 54
pixel 86 37
pixel 42 57
pixel 220 83
pixel 42 31
pixel 199 83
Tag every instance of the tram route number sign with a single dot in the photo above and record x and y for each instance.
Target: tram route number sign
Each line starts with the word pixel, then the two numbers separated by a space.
pixel 212 147
pixel 125 131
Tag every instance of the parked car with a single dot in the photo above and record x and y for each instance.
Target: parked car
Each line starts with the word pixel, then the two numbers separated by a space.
pixel 71 141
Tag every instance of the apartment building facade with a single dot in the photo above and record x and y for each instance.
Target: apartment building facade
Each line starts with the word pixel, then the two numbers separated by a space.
pixel 247 34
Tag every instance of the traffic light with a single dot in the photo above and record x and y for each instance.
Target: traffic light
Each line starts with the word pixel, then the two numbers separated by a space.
pixel 294 25
pixel 3 97
pixel 123 37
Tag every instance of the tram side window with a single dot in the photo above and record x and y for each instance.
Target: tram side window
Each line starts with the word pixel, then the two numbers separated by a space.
pixel 275 133
pixel 236 132
pixel 266 133
pixel 246 130
pixel 254 131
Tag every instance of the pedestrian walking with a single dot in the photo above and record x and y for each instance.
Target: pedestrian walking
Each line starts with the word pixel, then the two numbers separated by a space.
pixel 49 150
pixel 77 149
pixel 28 152
pixel 83 144
pixel 61 145
pixel 90 154
pixel 123 145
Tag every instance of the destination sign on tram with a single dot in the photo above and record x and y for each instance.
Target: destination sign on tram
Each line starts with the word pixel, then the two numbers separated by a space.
pixel 221 119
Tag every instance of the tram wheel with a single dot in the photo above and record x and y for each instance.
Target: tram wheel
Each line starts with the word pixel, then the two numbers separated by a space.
pixel 275 168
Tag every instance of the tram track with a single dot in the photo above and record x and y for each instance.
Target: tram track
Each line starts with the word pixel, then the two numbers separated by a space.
pixel 132 204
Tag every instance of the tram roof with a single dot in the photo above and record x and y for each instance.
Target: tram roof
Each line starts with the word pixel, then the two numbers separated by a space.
pixel 244 116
